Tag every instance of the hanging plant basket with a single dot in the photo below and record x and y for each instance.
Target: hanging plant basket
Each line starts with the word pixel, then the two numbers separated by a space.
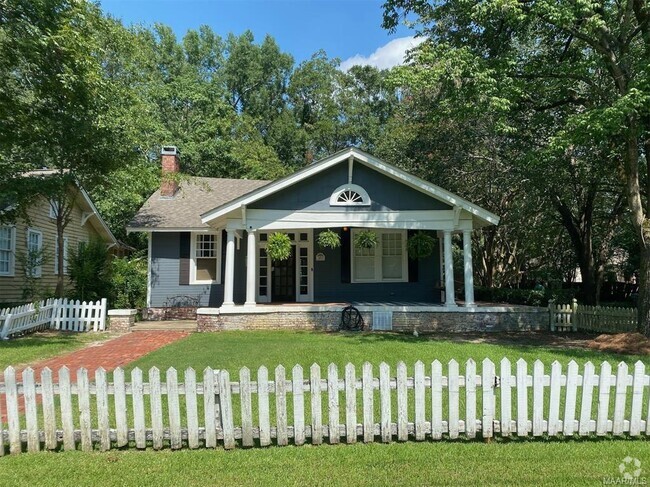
pixel 365 239
pixel 278 246
pixel 329 239
pixel 420 246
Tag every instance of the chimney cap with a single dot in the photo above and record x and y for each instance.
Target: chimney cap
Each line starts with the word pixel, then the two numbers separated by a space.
pixel 169 150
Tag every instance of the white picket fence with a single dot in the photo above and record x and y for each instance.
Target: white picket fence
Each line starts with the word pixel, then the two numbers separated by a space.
pixel 342 406
pixel 59 314
pixel 574 317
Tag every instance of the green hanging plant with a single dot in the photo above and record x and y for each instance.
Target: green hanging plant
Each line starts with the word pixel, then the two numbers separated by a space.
pixel 278 246
pixel 329 239
pixel 420 246
pixel 365 239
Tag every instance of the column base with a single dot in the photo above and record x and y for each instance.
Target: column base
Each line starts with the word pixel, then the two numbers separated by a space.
pixel 250 303
pixel 228 304
pixel 451 305
pixel 469 305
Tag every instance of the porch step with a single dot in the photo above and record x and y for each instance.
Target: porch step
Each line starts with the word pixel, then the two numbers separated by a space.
pixel 170 325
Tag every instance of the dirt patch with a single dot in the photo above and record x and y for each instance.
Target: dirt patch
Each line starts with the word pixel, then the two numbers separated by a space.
pixel 627 343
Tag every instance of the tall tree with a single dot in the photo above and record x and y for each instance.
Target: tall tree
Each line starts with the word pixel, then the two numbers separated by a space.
pixel 55 103
pixel 599 55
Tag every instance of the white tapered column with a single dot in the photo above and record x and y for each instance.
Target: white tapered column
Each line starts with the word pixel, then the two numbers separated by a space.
pixel 229 278
pixel 468 267
pixel 251 268
pixel 450 298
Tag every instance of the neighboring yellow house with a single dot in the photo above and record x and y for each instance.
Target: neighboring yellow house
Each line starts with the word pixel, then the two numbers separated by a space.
pixel 39 234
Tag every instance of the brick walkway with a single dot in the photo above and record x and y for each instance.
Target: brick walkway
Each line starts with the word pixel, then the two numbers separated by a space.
pixel 109 355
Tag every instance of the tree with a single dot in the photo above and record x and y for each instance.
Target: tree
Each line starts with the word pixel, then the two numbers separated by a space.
pixel 596 54
pixel 56 105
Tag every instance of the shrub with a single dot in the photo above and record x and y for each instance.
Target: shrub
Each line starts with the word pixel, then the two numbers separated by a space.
pixel 528 297
pixel 129 283
pixel 89 271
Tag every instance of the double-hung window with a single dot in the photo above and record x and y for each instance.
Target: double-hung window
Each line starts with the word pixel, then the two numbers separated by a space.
pixel 385 262
pixel 7 250
pixel 206 262
pixel 56 255
pixel 34 253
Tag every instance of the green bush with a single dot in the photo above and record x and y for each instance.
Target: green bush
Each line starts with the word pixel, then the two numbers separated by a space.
pixel 365 239
pixel 420 246
pixel 89 270
pixel 528 297
pixel 329 239
pixel 129 283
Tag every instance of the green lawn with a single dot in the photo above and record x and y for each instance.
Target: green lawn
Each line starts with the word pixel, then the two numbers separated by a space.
pixel 235 349
pixel 43 345
pixel 514 463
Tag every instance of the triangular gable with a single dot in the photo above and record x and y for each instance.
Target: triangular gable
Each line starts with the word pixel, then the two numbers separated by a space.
pixel 436 192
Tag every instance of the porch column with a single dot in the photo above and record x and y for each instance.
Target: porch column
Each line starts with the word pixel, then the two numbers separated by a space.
pixel 468 267
pixel 229 278
pixel 450 299
pixel 251 270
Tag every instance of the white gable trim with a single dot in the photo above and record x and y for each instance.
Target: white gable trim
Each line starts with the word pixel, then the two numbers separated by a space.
pixel 384 168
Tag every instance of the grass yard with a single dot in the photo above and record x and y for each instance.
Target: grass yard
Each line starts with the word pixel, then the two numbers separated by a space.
pixel 235 349
pixel 410 464
pixel 44 345
pixel 538 462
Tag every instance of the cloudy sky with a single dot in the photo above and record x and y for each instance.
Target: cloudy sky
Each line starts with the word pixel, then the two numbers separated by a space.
pixel 347 29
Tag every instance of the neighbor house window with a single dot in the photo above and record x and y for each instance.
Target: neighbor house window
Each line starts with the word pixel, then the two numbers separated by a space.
pixel 54 209
pixel 206 252
pixel 7 250
pixel 385 262
pixel 56 255
pixel 34 253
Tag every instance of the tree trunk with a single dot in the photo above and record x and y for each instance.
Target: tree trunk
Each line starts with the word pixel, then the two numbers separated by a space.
pixel 644 290
pixel 60 278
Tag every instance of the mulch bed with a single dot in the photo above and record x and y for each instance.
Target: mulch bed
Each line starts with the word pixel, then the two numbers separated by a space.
pixel 627 343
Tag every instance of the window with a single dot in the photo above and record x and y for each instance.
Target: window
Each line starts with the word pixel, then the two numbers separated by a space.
pixel 54 209
pixel 7 249
pixel 349 195
pixel 34 253
pixel 65 255
pixel 206 252
pixel 385 262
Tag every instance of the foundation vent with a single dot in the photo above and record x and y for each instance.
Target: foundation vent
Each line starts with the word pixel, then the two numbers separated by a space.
pixel 382 320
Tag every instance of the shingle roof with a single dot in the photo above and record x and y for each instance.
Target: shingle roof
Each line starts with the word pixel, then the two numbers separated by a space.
pixel 195 196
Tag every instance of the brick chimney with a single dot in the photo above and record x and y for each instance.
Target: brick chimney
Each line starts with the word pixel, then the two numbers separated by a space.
pixel 170 166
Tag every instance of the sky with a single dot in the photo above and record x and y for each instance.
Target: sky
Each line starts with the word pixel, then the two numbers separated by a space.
pixel 348 29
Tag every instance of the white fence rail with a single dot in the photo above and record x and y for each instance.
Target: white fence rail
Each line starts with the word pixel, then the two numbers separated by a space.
pixel 60 314
pixel 347 405
pixel 574 317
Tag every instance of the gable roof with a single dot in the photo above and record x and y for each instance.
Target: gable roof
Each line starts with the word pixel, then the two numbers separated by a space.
pixel 484 216
pixel 195 196
pixel 83 200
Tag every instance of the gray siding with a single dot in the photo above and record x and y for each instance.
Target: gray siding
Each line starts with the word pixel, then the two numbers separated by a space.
pixel 165 253
pixel 314 193
pixel 329 288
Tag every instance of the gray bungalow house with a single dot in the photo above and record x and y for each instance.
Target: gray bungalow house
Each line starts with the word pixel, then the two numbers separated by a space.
pixel 208 238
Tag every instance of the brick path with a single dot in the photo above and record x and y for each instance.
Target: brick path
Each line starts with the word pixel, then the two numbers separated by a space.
pixel 109 355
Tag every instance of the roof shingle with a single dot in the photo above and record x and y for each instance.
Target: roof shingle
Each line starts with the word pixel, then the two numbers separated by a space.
pixel 195 196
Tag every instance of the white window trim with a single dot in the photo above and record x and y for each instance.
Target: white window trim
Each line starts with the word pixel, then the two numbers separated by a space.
pixel 12 252
pixel 38 270
pixel 365 199
pixel 378 257
pixel 193 279
pixel 56 255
